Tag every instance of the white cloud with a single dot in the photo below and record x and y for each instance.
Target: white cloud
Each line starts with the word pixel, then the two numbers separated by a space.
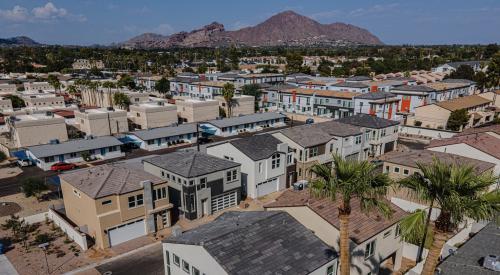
pixel 46 13
pixel 49 11
pixel 16 14
pixel 373 10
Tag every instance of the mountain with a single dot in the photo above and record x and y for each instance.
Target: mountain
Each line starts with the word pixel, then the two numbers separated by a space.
pixel 18 41
pixel 285 28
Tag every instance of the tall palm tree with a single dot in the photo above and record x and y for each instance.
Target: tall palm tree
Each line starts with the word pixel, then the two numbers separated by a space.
pixel 459 191
pixel 228 94
pixel 347 180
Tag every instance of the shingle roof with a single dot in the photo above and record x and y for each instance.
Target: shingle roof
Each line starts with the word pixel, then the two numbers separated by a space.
pixel 359 78
pixel 109 179
pixel 257 147
pixel 466 260
pixel 414 88
pixel 457 80
pixel 162 132
pixel 481 141
pixel 368 121
pixel 460 63
pixel 363 225
pixel 73 146
pixel 323 93
pixel 239 120
pixel 411 159
pixel 463 102
pixel 259 243
pixel 491 128
pixel 190 164
pixel 376 95
pixel 320 133
pixel 350 85
pixel 298 75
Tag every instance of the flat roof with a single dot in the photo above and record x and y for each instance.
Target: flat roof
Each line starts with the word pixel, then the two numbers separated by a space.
pixel 162 132
pixel 239 120
pixel 73 146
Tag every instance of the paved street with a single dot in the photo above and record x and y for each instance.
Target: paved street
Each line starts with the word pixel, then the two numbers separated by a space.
pixel 148 261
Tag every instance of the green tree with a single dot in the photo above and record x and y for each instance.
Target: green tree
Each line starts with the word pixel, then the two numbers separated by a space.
pixel 163 86
pixel 293 62
pixel 202 68
pixel 121 100
pixel 348 180
pixel 33 187
pixel 234 58
pixel 459 191
pixel 126 81
pixel 228 94
pixel 490 50
pixel 17 102
pixel 54 82
pixel 481 80
pixel 458 119
pixel 493 72
pixel 463 72
pixel 253 90
pixel 324 68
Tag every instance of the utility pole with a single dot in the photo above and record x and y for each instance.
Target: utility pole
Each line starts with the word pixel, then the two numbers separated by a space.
pixel 197 136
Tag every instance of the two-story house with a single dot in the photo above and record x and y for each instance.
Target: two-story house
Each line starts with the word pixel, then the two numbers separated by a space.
pixel 374 240
pixel 115 203
pixel 198 184
pixel 264 163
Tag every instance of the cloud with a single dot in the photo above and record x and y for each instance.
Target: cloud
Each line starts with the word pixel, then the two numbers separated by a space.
pixel 48 12
pixel 373 10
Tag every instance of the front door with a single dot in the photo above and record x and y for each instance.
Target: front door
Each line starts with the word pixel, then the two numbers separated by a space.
pixel 204 207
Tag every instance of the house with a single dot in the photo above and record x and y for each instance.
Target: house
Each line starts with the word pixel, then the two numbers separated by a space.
pixel 180 84
pixel 412 96
pixel 86 64
pixel 73 151
pixel 198 184
pixel 101 122
pixel 240 105
pixel 316 143
pixel 494 96
pixel 474 256
pixel 380 104
pixel 254 242
pixel 43 100
pixel 266 163
pixel 380 133
pixel 35 129
pixel 114 203
pixel 351 86
pixel 5 105
pixel 7 89
pixel 194 110
pixel 436 115
pixel 152 115
pixel 451 89
pixel 204 89
pixel 453 66
pixel 245 79
pixel 250 123
pixel 38 86
pixel 164 137
pixel 374 240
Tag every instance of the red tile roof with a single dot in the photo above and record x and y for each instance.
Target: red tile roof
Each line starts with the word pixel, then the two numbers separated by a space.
pixel 481 141
pixel 362 225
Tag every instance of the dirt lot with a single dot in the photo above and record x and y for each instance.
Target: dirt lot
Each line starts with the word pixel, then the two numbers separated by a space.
pixel 29 206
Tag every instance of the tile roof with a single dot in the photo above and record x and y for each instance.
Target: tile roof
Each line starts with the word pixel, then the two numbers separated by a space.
pixel 411 159
pixel 190 163
pixel 350 85
pixel 109 179
pixel 259 242
pixel 162 132
pixel 73 146
pixel 320 133
pixel 323 93
pixel 368 121
pixel 481 141
pixel 413 88
pixel 463 102
pixel 362 227
pixel 239 120
pixel 491 128
pixel 257 147
pixel 376 95
pixel 466 260
pixel 359 78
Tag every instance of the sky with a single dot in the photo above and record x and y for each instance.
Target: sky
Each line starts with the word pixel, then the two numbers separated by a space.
pixel 87 22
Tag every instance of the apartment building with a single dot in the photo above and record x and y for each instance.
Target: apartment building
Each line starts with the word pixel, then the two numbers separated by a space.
pixel 203 89
pixel 351 86
pixel 453 66
pixel 375 241
pixel 42 101
pixel 115 203
pixel 164 137
pixel 5 105
pixel 87 64
pixel 194 110
pixel 240 105
pixel 152 115
pixel 244 79
pixel 35 129
pixel 103 97
pixel 232 126
pixel 380 104
pixel 7 89
pixel 180 85
pixel 101 122
pixel 198 184
pixel 34 87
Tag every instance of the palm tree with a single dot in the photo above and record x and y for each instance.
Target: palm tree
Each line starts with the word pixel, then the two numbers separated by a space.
pixel 228 94
pixel 347 180
pixel 459 191
pixel 94 86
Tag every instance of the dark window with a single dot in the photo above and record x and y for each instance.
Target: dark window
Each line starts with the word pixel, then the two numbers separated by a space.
pixel 106 202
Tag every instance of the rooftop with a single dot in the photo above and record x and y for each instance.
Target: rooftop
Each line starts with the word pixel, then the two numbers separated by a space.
pixel 239 120
pixel 109 179
pixel 468 63
pixel 485 129
pixel 163 132
pixel 190 164
pixel 365 225
pixel 463 102
pixel 359 78
pixel 350 85
pixel 376 95
pixel 323 93
pixel 257 147
pixel 414 88
pixel 443 86
pixel 259 242
pixel 481 141
pixel 368 121
pixel 73 146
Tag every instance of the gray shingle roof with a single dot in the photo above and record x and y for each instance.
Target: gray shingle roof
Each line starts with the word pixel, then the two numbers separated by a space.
pixel 162 132
pixel 414 88
pixel 376 95
pixel 466 259
pixel 351 85
pixel 109 179
pixel 190 164
pixel 458 80
pixel 460 63
pixel 257 147
pixel 359 78
pixel 239 120
pixel 260 243
pixel 73 146
pixel 368 121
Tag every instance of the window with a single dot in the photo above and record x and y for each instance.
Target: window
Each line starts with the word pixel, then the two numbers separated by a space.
pixel 370 249
pixel 167 259
pixel 106 202
pixel 163 174
pixel 112 149
pixel 387 234
pixel 330 270
pixel 406 171
pixel 275 161
pixel 76 193
pixel 382 132
pixel 398 230
pixel 235 174
pixel 260 167
pixel 159 193
pixel 72 155
pixel 228 158
pixel 134 201
pixel 185 266
pixel 387 169
pixel 139 200
pixel 195 271
pixel 331 147
pixel 396 169
pixel 203 182
pixel 313 152
pixel 357 140
pixel 289 159
pixel 228 176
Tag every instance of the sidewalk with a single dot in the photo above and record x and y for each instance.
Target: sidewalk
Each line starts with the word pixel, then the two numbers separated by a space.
pixel 6 267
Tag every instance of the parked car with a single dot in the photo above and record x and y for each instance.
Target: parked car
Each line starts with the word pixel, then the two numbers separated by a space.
pixel 24 162
pixel 62 166
pixel 309 121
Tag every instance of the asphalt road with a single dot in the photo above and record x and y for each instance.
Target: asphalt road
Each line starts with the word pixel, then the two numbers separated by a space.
pixel 145 262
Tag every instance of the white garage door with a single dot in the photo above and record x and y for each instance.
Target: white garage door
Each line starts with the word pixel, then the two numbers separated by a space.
pixel 223 201
pixel 267 187
pixel 126 232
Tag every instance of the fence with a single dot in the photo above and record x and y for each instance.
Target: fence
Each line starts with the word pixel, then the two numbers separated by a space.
pixel 72 232
pixel 424 133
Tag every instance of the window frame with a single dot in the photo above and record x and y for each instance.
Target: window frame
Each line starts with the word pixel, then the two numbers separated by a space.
pixel 370 248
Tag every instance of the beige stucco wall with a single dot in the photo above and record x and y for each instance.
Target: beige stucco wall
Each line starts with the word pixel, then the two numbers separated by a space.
pixel 194 111
pixel 431 116
pixel 47 101
pixel 158 116
pixel 35 132
pixel 242 105
pixel 98 124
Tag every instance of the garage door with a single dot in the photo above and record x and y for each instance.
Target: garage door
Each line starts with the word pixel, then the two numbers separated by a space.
pixel 126 232
pixel 267 187
pixel 223 201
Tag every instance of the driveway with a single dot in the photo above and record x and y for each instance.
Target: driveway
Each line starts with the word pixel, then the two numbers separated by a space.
pixel 6 267
pixel 147 261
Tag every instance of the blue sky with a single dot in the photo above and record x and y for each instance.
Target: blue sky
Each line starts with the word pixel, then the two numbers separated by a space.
pixel 86 22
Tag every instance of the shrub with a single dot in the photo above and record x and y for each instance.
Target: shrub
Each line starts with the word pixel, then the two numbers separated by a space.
pixel 418 123
pixel 2 156
pixel 42 238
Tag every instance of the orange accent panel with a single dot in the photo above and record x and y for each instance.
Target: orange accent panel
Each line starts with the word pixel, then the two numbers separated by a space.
pixel 405 104
pixel 373 88
pixel 294 96
pixel 390 112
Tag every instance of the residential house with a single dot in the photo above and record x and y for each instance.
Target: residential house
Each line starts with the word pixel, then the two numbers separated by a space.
pixel 380 104
pixel 5 105
pixel 74 151
pixel 115 203
pixel 240 105
pixel 350 86
pixel 152 115
pixel 43 100
pixel 38 86
pixel 35 129
pixel 101 122
pixel 195 110
pixel 198 184
pixel 164 137
pixel 412 96
pixel 7 89
pixel 254 242
pixel 250 123
pixel 204 89
pixel 375 242
pixel 87 64
pixel 245 79
pixel 180 85
pixel 453 66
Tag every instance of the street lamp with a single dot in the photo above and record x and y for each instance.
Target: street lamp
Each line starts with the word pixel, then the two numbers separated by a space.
pixel 44 246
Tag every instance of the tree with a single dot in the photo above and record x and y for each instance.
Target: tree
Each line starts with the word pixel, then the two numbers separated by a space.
pixel 348 180
pixel 126 81
pixel 481 80
pixel 458 119
pixel 293 63
pixel 122 100
pixel 490 50
pixel 463 72
pixel 324 68
pixel 493 72
pixel 163 86
pixel 234 58
pixel 459 191
pixel 253 90
pixel 33 187
pixel 17 102
pixel 228 94
pixel 202 68
pixel 54 81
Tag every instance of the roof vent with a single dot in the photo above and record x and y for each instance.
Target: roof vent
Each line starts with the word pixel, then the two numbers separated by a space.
pixel 492 262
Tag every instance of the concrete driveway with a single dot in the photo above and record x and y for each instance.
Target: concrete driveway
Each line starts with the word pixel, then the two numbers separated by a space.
pixel 147 261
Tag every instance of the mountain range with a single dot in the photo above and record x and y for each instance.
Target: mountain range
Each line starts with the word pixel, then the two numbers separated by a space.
pixel 18 41
pixel 283 29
